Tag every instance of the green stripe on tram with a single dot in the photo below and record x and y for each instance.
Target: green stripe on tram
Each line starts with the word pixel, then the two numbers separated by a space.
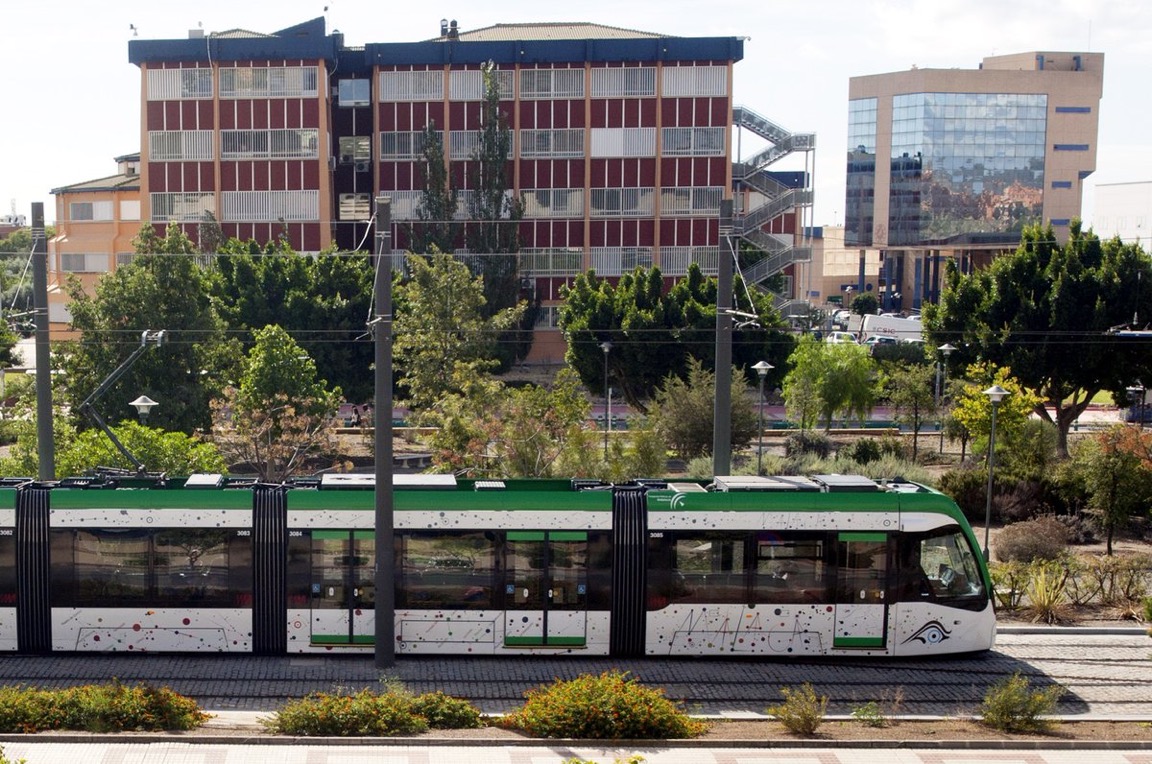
pixel 862 536
pixel 858 642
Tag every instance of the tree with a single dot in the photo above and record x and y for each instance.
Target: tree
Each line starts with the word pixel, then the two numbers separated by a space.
pixel 655 330
pixel 909 390
pixel 161 289
pixel 492 430
pixel 440 324
pixel 439 201
pixel 1117 467
pixel 322 301
pixel 972 409
pixel 682 411
pixel 829 381
pixel 279 416
pixel 1045 311
pixel 865 304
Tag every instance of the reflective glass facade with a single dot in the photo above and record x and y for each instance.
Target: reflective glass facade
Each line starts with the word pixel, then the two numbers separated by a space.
pixel 965 167
pixel 859 207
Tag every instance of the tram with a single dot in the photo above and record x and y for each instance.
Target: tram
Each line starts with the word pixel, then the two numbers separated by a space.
pixel 823 565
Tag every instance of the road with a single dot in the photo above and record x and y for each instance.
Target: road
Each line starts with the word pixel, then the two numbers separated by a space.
pixel 1105 674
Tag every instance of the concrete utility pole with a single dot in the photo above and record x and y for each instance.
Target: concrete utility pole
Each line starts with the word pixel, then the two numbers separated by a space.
pixel 722 412
pixel 385 606
pixel 45 445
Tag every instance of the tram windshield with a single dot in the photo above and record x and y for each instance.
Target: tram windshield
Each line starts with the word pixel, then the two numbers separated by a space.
pixel 941 565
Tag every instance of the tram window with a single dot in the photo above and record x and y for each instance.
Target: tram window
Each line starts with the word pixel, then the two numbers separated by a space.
pixel 446 570
pixel 942 566
pixel 790 569
pixel 709 567
pixel 160 568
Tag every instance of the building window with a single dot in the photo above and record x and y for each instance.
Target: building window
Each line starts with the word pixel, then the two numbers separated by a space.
pixel 354 92
pixel 90 211
pixel 694 81
pixel 551 83
pixel 689 201
pixel 693 141
pixel 403 145
pixel 622 202
pixel 674 261
pixel 355 206
pixel 355 148
pixel 1073 109
pixel 616 261
pixel 1060 221
pixel 412 86
pixel 554 203
pixel 545 261
pixel 623 83
pixel 463 144
pixel 552 144
pixel 180 145
pixel 1070 147
pixel 623 142
pixel 76 263
pixel 271 206
pixel 1061 184
pixel 123 258
pixel 130 209
pixel 269 144
pixel 268 82
pixel 404 204
pixel 179 84
pixel 469 85
pixel 176 207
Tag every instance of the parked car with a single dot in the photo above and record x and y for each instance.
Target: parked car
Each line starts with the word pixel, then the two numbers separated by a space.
pixel 837 338
pixel 880 339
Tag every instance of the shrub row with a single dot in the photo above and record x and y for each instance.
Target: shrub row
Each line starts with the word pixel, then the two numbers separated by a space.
pixel 113 707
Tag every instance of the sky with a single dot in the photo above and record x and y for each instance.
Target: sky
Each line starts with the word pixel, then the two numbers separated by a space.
pixel 74 99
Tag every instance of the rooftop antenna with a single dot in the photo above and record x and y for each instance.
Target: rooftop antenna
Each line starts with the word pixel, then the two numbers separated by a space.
pixel 135 32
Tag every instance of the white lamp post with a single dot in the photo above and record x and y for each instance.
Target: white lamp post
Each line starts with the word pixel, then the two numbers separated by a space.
pixel 762 368
pixel 606 347
pixel 995 394
pixel 945 350
pixel 143 406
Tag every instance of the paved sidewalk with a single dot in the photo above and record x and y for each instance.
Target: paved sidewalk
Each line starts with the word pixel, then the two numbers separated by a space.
pixel 556 753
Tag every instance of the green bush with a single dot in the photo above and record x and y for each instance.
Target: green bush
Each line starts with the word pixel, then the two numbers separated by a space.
pixel 968 487
pixel 1044 538
pixel 808 442
pixel 862 451
pixel 444 712
pixel 870 715
pixel 114 707
pixel 365 714
pixel 610 706
pixel 801 711
pixel 1011 705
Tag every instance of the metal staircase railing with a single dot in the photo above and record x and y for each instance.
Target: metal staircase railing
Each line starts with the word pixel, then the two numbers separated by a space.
pixel 772 209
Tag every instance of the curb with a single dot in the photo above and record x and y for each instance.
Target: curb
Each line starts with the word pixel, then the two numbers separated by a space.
pixel 1120 631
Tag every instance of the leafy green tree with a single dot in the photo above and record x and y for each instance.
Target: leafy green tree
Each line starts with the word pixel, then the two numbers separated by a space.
pixel 972 409
pixel 865 304
pixel 280 414
pixel 1117 468
pixel 163 288
pixel 492 430
pixel 829 381
pixel 655 330
pixel 909 388
pixel 322 301
pixel 682 411
pixel 440 324
pixel 172 453
pixel 1045 311
pixel 439 200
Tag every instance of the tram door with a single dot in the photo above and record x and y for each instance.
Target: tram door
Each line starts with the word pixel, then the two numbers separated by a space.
pixel 343 587
pixel 545 589
pixel 861 582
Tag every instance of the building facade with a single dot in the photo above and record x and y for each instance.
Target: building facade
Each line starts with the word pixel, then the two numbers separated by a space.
pixel 96 222
pixel 1124 210
pixel 622 150
pixel 951 163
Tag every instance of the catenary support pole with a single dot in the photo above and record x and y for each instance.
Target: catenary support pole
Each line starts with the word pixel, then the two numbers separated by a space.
pixel 722 411
pixel 385 605
pixel 45 445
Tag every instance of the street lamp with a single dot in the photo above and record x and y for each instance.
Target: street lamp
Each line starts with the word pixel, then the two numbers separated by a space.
pixel 762 368
pixel 995 394
pixel 942 378
pixel 143 406
pixel 606 346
